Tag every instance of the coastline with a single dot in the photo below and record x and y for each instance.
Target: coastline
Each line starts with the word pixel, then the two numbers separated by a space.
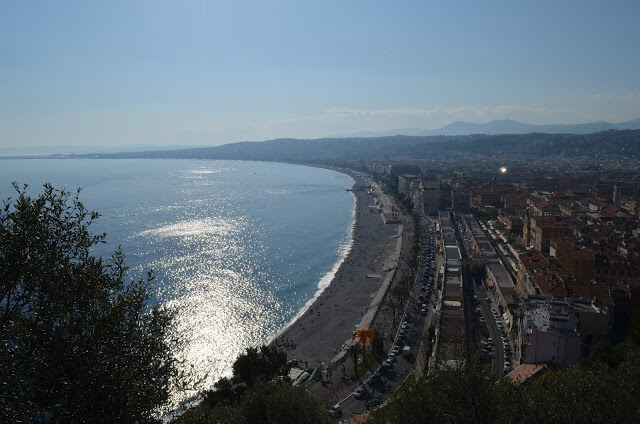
pixel 323 329
pixel 345 250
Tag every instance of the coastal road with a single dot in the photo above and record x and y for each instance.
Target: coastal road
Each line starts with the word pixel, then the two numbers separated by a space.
pixel 416 329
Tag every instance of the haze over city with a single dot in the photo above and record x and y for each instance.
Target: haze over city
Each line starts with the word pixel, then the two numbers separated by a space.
pixel 208 73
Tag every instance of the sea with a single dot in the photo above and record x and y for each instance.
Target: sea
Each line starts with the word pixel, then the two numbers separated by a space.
pixel 238 249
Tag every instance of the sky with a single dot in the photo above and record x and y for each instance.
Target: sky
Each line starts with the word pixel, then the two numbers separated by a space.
pixel 195 72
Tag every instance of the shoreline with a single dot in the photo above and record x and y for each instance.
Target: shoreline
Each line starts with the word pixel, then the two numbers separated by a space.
pixel 345 251
pixel 318 335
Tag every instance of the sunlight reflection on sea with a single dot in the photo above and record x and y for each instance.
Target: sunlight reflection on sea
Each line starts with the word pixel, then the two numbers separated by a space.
pixel 237 248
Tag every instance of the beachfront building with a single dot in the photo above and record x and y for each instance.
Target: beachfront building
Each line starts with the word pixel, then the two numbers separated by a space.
pixel 431 197
pixel 405 183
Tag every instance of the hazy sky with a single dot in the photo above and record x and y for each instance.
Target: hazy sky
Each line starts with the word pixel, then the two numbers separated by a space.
pixel 211 72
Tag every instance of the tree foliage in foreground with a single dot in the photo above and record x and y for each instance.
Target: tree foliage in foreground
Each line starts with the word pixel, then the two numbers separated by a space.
pixel 274 402
pixel 591 393
pixel 79 342
pixel 259 392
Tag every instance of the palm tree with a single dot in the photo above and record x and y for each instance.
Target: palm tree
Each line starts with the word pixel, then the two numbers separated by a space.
pixel 365 337
pixel 354 351
pixel 393 307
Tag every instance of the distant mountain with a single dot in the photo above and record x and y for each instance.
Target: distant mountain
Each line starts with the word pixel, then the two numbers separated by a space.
pixel 80 150
pixel 600 146
pixel 506 126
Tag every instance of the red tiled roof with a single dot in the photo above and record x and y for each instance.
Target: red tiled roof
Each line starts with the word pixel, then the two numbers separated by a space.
pixel 579 254
pixel 525 372
pixel 609 211
pixel 533 259
pixel 553 284
pixel 600 292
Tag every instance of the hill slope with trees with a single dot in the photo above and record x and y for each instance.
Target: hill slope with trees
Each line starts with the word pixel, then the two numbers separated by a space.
pixel 608 145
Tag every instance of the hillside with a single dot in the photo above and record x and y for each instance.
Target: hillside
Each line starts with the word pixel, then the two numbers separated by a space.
pixel 608 145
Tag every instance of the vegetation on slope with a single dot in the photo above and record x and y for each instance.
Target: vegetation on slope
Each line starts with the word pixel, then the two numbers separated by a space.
pixel 609 145
pixel 79 342
pixel 592 393
pixel 258 392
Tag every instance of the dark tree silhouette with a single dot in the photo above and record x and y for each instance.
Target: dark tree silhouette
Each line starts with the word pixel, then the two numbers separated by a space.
pixel 79 341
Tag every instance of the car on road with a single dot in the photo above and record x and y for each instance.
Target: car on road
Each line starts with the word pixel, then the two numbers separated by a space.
pixel 359 392
pixel 335 410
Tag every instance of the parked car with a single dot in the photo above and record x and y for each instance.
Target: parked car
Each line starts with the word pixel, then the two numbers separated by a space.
pixel 358 393
pixel 335 410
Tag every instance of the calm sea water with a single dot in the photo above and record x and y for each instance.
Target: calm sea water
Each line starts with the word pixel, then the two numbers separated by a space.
pixel 238 248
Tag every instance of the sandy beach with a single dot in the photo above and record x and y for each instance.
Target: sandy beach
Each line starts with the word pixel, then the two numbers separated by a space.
pixel 351 300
